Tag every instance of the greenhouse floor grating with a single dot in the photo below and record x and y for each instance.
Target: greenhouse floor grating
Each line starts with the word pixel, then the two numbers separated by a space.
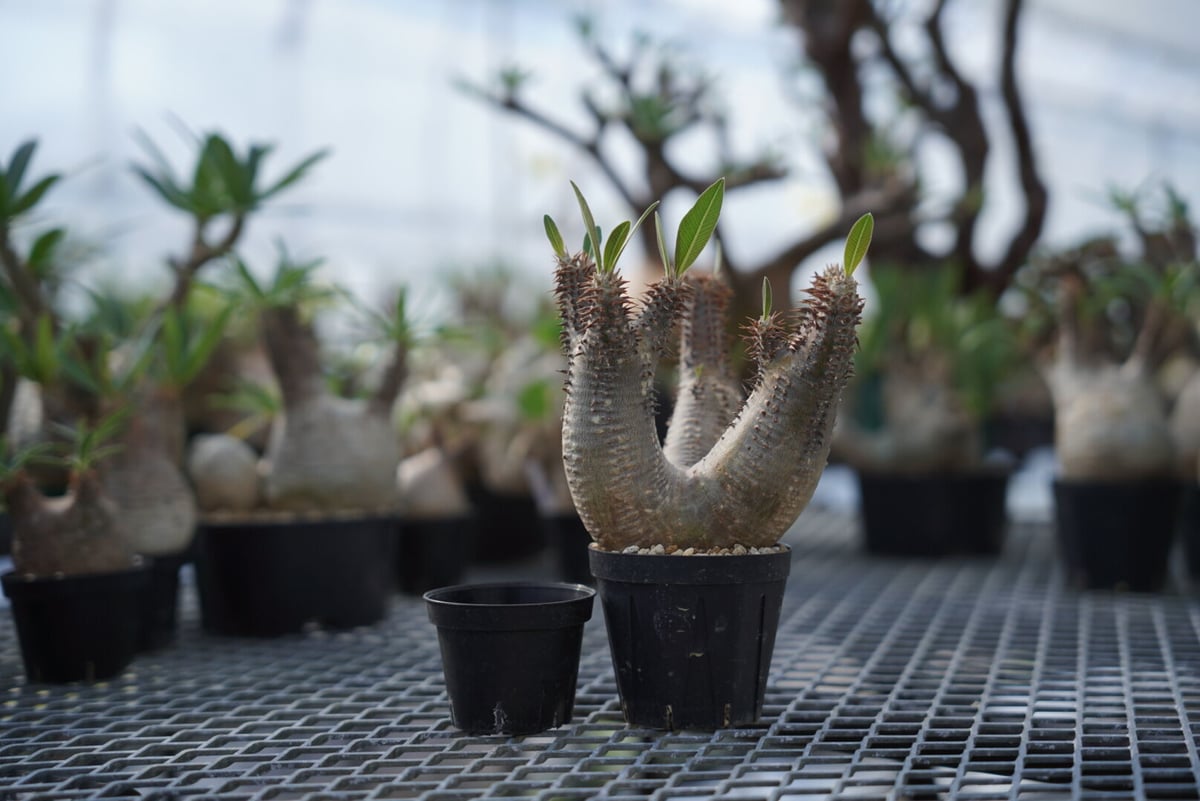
pixel 964 678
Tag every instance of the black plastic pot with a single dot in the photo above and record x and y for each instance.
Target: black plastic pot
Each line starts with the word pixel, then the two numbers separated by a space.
pixel 1116 535
pixel 569 542
pixel 433 553
pixel 508 527
pixel 691 636
pixel 935 514
pixel 77 628
pixel 5 534
pixel 265 579
pixel 510 653
pixel 1189 528
pixel 160 599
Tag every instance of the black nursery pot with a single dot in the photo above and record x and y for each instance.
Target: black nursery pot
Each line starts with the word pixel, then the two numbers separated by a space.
pixel 510 653
pixel 77 628
pixel 691 636
pixel 265 579
pixel 5 534
pixel 160 599
pixel 1189 528
pixel 433 553
pixel 1116 535
pixel 569 542
pixel 935 514
pixel 508 527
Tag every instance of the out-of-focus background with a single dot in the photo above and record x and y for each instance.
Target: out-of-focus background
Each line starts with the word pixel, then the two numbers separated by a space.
pixel 426 178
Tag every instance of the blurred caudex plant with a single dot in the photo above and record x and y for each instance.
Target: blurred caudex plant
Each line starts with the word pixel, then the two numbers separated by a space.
pixel 927 374
pixel 78 533
pixel 325 453
pixel 1115 321
pixel 731 472
pixel 140 356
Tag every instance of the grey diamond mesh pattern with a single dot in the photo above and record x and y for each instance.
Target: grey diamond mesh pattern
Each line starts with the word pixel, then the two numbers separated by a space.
pixel 961 678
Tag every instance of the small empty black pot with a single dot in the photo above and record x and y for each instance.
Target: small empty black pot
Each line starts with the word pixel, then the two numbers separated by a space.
pixel 691 636
pixel 77 628
pixel 510 653
pixel 1189 528
pixel 569 541
pixel 935 514
pixel 265 579
pixel 1114 535
pixel 433 553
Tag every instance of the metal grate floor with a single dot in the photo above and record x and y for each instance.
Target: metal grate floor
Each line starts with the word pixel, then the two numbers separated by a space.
pixel 965 678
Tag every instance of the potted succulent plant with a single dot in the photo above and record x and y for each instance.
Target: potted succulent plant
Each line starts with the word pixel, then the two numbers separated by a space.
pixel 76 584
pixel 1116 494
pixel 928 372
pixel 687 557
pixel 316 545
pixel 437 529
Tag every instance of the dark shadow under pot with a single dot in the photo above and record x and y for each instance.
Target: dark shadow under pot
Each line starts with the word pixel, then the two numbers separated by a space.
pixel 691 636
pixel 569 541
pixel 269 578
pixel 1189 528
pixel 77 628
pixel 510 653
pixel 934 514
pixel 1116 535
pixel 433 553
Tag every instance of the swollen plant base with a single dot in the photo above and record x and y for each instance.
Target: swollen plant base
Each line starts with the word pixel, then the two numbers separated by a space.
pixel 691 637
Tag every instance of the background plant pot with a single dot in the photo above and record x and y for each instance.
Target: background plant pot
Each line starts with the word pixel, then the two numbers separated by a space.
pixel 691 636
pixel 433 553
pixel 508 527
pixel 264 579
pixel 77 628
pixel 1116 535
pixel 160 598
pixel 569 542
pixel 5 534
pixel 1189 528
pixel 510 653
pixel 934 514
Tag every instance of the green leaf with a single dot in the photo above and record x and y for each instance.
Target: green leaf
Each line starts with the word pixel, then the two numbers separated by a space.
pixel 697 226
pixel 198 353
pixel 166 189
pixel 556 240
pixel 625 239
pixel 767 300
pixel 30 199
pixel 42 249
pixel 617 238
pixel 293 175
pixel 17 165
pixel 857 242
pixel 662 245
pixel 589 223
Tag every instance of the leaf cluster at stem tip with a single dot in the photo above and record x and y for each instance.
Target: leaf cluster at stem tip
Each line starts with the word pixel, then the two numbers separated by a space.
pixel 694 232
pixel 857 242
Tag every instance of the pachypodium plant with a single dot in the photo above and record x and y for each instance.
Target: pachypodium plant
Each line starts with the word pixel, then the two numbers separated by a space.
pixel 732 472
pixel 79 533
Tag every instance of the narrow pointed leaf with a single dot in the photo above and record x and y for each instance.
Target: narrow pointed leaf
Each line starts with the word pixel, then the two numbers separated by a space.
pixel 556 240
pixel 293 175
pixel 767 300
pixel 30 199
pixel 616 243
pixel 17 165
pixel 857 242
pixel 625 241
pixel 662 245
pixel 697 226
pixel 589 223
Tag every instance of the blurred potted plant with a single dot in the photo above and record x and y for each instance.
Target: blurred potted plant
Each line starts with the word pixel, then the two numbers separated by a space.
pixel 317 546
pixel 931 362
pixel 76 584
pixel 1116 495
pixel 686 554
